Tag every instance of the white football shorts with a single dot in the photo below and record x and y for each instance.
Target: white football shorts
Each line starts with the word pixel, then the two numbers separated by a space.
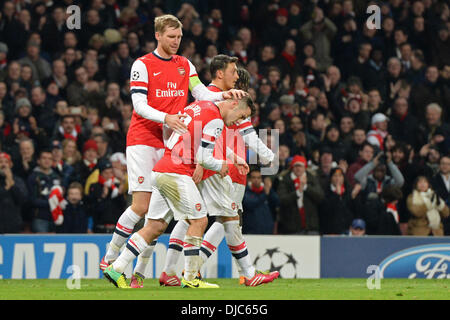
pixel 217 192
pixel 140 162
pixel 175 195
pixel 238 194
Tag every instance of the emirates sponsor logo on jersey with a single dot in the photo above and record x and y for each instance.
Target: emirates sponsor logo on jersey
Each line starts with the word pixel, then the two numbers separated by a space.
pixel 169 93
pixel 181 71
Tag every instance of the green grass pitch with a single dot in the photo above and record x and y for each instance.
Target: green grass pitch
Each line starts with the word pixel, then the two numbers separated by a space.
pixel 281 289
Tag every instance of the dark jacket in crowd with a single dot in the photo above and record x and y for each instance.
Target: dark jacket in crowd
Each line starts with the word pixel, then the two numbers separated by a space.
pixel 75 218
pixel 10 205
pixel 336 213
pixel 39 186
pixel 257 217
pixel 104 211
pixel 378 220
pixel 289 221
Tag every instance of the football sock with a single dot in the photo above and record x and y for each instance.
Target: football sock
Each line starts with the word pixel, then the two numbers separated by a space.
pixel 135 245
pixel 124 228
pixel 192 260
pixel 211 240
pixel 175 246
pixel 238 247
pixel 143 258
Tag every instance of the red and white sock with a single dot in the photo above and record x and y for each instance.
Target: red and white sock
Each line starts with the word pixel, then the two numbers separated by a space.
pixel 176 243
pixel 238 247
pixel 211 240
pixel 124 228
pixel 135 245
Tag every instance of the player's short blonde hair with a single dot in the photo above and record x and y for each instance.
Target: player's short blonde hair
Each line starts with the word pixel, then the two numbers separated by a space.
pixel 166 21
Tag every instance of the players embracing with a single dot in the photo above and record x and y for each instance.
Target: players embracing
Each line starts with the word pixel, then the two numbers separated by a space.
pixel 159 85
pixel 223 195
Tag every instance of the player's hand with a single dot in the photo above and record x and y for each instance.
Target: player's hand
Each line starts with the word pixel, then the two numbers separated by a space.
pixel 175 122
pixel 242 168
pixel 234 94
pixel 198 174
pixel 224 170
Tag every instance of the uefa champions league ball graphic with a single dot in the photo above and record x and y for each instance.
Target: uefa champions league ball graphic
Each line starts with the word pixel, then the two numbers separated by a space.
pixel 276 260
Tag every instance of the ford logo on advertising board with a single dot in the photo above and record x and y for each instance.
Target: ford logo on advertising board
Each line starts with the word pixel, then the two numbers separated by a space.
pixel 427 261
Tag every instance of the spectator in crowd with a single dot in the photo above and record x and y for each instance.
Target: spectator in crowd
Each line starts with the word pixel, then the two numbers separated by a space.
pixel 434 124
pixel 40 67
pixel 381 213
pixel 366 154
pixel 379 131
pixel 26 161
pixel 320 31
pixel 71 155
pixel 333 141
pixel 433 90
pixel 441 185
pixel 403 126
pixel 77 92
pixel 13 193
pixel 69 130
pixel 75 213
pixel 64 170
pixel 357 228
pixel 40 183
pixel 84 167
pixel 337 212
pixel 427 210
pixel 259 203
pixel 300 194
pixel 357 140
pixel 374 183
pixel 105 199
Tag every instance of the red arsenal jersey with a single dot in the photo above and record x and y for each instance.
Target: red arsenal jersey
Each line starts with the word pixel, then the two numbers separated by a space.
pixel 166 84
pixel 205 125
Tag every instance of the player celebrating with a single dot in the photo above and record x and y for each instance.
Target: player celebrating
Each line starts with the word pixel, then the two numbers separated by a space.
pixel 225 75
pixel 175 193
pixel 159 84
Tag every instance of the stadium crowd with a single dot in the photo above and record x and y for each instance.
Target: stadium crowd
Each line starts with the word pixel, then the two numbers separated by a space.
pixel 362 114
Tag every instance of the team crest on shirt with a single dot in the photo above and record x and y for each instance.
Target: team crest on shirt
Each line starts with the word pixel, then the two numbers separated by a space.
pixel 198 207
pixel 233 206
pixel 181 71
pixel 141 179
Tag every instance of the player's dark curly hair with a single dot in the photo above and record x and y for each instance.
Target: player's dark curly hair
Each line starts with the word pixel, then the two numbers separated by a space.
pixel 243 83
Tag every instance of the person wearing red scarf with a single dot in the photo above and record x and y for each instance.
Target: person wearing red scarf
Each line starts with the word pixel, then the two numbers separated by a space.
pixel 300 195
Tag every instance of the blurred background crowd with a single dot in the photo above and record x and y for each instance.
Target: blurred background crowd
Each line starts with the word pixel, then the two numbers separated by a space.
pixel 362 114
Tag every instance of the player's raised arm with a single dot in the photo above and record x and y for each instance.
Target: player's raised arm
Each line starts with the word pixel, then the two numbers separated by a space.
pixel 255 144
pixel 139 93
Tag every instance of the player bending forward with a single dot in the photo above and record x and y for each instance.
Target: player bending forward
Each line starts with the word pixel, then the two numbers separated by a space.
pixel 159 84
pixel 223 200
pixel 175 193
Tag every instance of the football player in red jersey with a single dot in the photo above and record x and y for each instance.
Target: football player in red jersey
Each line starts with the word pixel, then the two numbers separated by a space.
pixel 175 193
pixel 220 203
pixel 159 84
